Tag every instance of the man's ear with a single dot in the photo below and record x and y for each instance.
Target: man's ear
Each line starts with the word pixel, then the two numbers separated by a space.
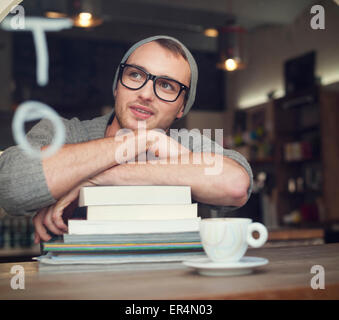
pixel 115 92
pixel 181 112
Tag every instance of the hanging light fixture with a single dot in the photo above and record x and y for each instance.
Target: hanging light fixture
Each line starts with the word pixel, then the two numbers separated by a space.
pixel 231 43
pixel 231 46
pixel 84 13
pixel 86 20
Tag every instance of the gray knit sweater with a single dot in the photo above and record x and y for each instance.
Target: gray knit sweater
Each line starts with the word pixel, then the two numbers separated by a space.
pixel 23 187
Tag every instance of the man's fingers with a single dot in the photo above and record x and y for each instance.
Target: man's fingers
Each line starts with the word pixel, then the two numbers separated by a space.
pixel 65 206
pixel 40 230
pixel 49 222
pixel 36 238
pixel 52 216
pixel 56 217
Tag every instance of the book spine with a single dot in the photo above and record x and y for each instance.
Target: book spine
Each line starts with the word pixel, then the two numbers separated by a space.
pixel 139 195
pixel 127 227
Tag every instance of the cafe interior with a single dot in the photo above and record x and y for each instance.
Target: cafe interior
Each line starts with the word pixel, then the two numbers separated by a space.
pixel 268 77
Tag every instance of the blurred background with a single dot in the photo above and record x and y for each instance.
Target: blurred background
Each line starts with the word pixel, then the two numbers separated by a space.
pixel 268 76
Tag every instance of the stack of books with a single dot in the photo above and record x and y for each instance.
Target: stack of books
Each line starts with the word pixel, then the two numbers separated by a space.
pixel 128 228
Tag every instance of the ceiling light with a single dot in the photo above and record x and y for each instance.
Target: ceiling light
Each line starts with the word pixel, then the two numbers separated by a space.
pixel 86 20
pixel 55 15
pixel 85 16
pixel 211 32
pixel 231 64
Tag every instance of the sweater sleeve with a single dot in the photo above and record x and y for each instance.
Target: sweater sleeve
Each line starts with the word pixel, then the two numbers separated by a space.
pixel 197 142
pixel 23 188
pixel 209 145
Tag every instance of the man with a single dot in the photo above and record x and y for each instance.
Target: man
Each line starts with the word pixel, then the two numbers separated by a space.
pixel 155 84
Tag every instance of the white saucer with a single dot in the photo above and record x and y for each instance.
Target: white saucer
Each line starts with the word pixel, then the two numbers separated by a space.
pixel 207 267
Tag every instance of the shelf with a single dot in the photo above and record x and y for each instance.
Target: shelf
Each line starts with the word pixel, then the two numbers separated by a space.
pixel 262 161
pixel 312 128
pixel 304 130
pixel 301 161
pixel 300 193
pixel 299 131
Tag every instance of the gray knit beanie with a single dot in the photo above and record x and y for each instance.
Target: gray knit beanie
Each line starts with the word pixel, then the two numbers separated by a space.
pixel 191 61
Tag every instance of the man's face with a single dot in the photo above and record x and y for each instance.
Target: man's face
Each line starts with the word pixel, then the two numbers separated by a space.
pixel 161 62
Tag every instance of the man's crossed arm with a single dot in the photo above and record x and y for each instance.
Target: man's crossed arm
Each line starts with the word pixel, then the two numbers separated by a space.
pixel 173 164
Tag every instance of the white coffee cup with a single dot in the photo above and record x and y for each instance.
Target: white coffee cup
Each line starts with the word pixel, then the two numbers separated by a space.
pixel 227 239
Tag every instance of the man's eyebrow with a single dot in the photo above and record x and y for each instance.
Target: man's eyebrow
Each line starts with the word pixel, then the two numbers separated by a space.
pixel 144 68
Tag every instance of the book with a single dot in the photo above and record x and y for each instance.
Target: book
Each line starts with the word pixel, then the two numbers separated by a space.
pixel 117 258
pixel 135 238
pixel 46 267
pixel 73 263
pixel 134 195
pixel 122 247
pixel 142 212
pixel 131 226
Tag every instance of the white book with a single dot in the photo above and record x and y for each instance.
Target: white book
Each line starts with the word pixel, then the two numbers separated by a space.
pixel 132 226
pixel 143 212
pixel 134 195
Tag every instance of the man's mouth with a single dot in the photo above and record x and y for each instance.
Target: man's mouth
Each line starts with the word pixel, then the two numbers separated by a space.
pixel 141 112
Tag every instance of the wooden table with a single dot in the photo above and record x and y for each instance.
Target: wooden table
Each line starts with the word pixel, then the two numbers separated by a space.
pixel 287 276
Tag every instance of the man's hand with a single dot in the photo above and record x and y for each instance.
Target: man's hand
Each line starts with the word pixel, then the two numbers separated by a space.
pixel 43 221
pixel 158 145
pixel 163 146
pixel 53 218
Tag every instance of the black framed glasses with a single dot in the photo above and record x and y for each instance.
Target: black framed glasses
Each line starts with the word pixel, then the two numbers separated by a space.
pixel 134 78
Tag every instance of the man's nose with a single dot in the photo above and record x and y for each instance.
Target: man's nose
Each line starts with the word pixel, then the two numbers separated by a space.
pixel 147 92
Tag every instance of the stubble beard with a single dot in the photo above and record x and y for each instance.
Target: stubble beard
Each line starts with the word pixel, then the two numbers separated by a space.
pixel 124 122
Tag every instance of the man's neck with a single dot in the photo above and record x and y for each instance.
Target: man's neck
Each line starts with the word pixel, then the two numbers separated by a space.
pixel 113 128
